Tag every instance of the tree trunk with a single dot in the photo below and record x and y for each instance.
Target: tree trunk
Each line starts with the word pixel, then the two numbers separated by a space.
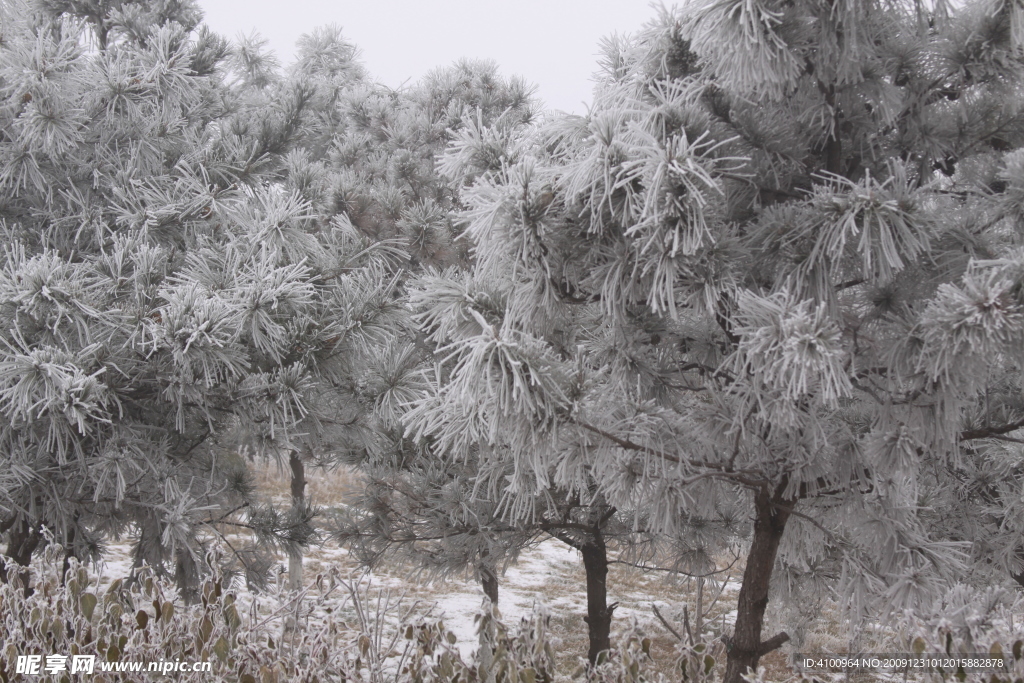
pixel 599 615
pixel 22 540
pixel 489 582
pixel 698 618
pixel 148 549
pixel 1018 576
pixel 186 576
pixel 746 648
pixel 834 144
pixel 298 485
pixel 488 579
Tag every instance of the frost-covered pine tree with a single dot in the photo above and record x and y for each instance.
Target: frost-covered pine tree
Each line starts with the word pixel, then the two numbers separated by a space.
pixel 168 299
pixel 419 502
pixel 386 150
pixel 452 311
pixel 326 68
pixel 384 179
pixel 778 263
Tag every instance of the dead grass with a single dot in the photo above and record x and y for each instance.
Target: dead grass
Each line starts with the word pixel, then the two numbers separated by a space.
pixel 323 486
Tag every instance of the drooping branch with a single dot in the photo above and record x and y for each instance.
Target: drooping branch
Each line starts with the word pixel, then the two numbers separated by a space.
pixel 626 443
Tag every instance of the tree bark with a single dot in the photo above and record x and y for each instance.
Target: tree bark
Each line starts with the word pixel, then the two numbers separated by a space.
pixel 599 615
pixel 745 648
pixel 22 540
pixel 186 576
pixel 698 618
pixel 298 486
pixel 489 582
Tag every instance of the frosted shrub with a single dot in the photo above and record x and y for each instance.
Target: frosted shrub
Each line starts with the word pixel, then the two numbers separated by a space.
pixel 970 622
pixel 139 620
pixel 358 635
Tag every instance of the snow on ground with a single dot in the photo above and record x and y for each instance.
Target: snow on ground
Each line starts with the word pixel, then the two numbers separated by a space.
pixel 548 576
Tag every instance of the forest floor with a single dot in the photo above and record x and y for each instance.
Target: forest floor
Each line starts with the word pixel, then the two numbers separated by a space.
pixel 549 576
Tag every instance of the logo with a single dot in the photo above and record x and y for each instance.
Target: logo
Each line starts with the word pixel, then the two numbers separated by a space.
pixel 33 665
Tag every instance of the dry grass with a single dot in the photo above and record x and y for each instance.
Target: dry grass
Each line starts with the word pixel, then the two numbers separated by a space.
pixel 323 486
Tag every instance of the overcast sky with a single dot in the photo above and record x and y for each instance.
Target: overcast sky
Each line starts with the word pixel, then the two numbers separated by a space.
pixel 551 43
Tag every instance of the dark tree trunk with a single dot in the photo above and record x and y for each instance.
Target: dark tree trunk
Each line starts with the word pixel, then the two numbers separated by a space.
pixel 599 615
pixel 298 483
pixel 186 576
pixel 22 540
pixel 834 154
pixel 147 548
pixel 1017 576
pixel 746 648
pixel 489 582
pixel 834 144
pixel 298 487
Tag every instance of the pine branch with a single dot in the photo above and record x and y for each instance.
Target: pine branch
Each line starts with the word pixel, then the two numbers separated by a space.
pixel 719 471
pixel 723 321
pixel 986 432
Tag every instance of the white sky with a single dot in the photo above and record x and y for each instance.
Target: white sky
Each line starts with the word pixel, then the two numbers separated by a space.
pixel 551 43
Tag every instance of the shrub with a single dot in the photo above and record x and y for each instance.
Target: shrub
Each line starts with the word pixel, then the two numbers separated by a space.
pixel 341 633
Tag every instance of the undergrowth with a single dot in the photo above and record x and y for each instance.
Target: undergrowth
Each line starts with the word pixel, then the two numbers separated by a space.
pixel 365 637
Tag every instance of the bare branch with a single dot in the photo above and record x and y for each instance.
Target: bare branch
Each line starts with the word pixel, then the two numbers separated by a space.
pixel 669 626
pixel 773 643
pixel 988 432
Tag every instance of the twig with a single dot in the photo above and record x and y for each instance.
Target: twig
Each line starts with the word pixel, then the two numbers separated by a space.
pixel 291 602
pixel 666 624
pixel 722 589
pixel 670 570
pixel 686 623
pixel 999 437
